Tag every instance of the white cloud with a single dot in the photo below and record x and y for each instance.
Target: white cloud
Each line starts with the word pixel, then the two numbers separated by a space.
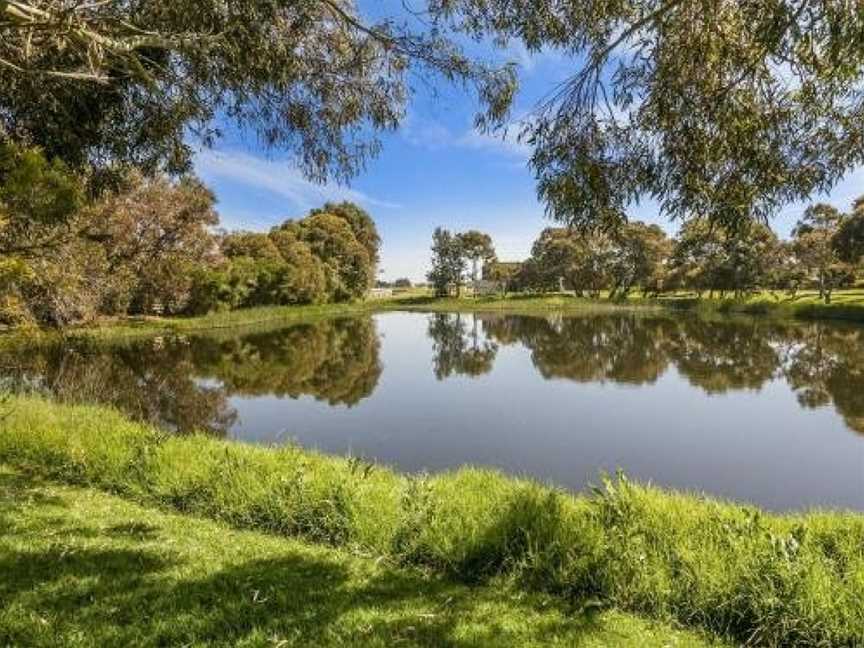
pixel 427 134
pixel 435 136
pixel 508 143
pixel 276 177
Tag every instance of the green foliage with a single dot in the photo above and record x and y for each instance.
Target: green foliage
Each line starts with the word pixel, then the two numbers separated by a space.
pixel 565 258
pixel 349 269
pixel 504 272
pixel 155 233
pixel 794 580
pixel 704 257
pixel 729 110
pixel 709 258
pixel 815 248
pixel 640 252
pixel 129 83
pixel 77 562
pixel 361 224
pixel 848 241
pixel 149 247
pixel 132 251
pixel 254 245
pixel 38 198
pixel 477 247
pixel 448 262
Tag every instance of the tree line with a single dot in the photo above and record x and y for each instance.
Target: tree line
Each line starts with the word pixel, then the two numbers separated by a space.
pixel 818 362
pixel 151 245
pixel 824 253
pixel 730 123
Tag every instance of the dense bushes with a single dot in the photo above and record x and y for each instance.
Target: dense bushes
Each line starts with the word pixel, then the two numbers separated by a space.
pixel 149 246
pixel 823 254
pixel 765 579
pixel 329 256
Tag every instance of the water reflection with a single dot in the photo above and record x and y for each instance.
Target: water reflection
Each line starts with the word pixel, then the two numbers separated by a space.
pixel 189 384
pixel 458 349
pixel 822 362
pixel 185 384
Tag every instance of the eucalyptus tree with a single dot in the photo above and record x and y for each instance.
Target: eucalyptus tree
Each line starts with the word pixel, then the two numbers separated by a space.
pixel 640 253
pixel 448 262
pixel 848 242
pixel 38 197
pixel 361 224
pixel 726 109
pixel 476 246
pixel 155 233
pixel 814 238
pixel 120 81
pixel 707 257
pixel 564 257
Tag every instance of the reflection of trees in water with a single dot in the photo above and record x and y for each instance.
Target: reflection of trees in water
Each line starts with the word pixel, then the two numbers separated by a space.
pixel 334 360
pixel 620 349
pixel 723 356
pixel 823 363
pixel 150 381
pixel 185 385
pixel 458 349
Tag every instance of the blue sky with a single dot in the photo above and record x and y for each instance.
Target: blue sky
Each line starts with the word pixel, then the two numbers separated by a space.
pixel 436 170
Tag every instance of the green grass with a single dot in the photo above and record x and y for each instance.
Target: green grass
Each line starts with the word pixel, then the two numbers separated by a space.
pixel 132 327
pixel 846 305
pixel 728 569
pixel 82 568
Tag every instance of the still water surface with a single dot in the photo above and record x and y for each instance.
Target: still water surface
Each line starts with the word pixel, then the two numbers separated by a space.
pixel 751 409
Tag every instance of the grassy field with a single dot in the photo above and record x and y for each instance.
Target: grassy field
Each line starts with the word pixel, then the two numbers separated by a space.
pixel 132 327
pixel 82 568
pixel 679 559
pixel 846 305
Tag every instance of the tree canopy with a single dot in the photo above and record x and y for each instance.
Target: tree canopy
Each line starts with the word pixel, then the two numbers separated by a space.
pixel 128 82
pixel 723 110
pixel 448 262
pixel 719 110
pixel 824 254
pixel 150 245
pixel 476 247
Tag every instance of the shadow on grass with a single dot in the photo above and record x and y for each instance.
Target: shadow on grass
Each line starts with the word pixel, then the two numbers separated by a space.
pixel 130 583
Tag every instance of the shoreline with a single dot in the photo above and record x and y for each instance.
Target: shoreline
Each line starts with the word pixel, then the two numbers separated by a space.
pixel 848 307
pixel 726 568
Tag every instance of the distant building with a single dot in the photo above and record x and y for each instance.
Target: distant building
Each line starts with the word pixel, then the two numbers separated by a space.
pixel 376 293
pixel 486 287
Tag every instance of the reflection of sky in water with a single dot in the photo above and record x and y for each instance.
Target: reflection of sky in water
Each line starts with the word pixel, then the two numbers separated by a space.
pixel 684 403
pixel 755 444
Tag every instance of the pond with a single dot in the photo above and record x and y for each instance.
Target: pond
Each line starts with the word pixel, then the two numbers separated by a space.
pixel 757 410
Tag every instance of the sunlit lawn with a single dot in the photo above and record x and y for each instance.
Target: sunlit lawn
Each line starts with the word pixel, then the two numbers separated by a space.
pixel 82 568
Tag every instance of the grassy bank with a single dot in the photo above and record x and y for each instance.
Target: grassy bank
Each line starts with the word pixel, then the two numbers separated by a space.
pixel 732 570
pixel 82 568
pixel 132 327
pixel 846 305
